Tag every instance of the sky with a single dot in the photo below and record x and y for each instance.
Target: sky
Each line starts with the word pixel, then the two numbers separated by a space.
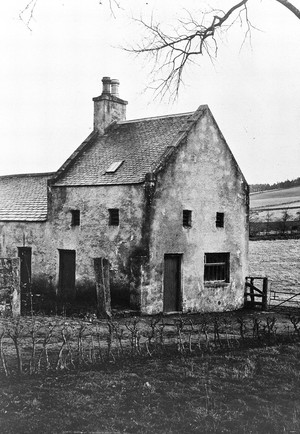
pixel 50 73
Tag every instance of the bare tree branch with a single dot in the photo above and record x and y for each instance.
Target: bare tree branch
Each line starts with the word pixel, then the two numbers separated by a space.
pixel 26 14
pixel 290 7
pixel 172 52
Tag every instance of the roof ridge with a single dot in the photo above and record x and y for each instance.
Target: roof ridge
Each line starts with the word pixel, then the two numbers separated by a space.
pixel 27 175
pixel 156 117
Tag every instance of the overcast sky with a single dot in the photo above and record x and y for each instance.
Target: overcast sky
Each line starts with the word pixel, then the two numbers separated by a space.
pixel 49 75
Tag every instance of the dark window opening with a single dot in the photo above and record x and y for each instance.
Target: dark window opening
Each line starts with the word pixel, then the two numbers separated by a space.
pixel 216 267
pixel 114 217
pixel 219 219
pixel 75 217
pixel 187 218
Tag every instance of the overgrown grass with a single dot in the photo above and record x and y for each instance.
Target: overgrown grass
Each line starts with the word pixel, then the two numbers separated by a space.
pixel 241 391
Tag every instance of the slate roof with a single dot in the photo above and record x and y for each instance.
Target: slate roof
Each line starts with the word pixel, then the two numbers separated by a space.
pixel 141 144
pixel 24 197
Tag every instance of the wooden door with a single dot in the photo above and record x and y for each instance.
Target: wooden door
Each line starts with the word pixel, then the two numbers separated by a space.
pixel 172 283
pixel 67 274
pixel 24 254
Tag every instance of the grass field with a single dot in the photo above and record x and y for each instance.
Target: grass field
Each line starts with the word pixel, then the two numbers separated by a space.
pixel 273 198
pixel 243 391
pixel 279 260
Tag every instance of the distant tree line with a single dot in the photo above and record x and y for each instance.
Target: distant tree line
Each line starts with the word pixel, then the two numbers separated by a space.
pixel 283 184
pixel 285 225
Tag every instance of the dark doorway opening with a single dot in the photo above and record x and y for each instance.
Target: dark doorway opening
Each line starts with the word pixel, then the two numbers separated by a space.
pixel 119 291
pixel 25 254
pixel 172 283
pixel 67 266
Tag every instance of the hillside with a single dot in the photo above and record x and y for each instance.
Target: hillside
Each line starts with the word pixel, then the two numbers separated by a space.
pixel 280 198
pixel 277 185
pixel 275 212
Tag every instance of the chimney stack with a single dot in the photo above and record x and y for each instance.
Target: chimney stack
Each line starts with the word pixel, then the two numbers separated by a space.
pixel 108 107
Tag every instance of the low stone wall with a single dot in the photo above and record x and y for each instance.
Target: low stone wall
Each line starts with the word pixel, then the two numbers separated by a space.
pixel 10 286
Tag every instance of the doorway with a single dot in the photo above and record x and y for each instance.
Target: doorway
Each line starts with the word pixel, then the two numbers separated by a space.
pixel 172 282
pixel 67 265
pixel 24 254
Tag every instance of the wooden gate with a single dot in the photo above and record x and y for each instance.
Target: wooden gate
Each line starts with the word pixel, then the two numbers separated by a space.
pixel 172 283
pixel 254 295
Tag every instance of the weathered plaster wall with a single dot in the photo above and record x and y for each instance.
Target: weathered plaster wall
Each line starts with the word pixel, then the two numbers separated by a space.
pixel 94 237
pixel 204 178
pixel 28 234
pixel 10 286
pixel 108 109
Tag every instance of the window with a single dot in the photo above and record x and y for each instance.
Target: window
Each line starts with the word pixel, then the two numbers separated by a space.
pixel 114 166
pixel 216 267
pixel 75 217
pixel 219 219
pixel 114 217
pixel 187 218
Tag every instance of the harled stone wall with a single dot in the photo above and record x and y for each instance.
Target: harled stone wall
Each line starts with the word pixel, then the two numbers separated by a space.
pixel 203 177
pixel 10 286
pixel 94 237
pixel 29 234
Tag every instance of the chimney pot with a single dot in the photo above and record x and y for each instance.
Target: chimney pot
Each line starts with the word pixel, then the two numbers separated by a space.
pixel 106 81
pixel 115 87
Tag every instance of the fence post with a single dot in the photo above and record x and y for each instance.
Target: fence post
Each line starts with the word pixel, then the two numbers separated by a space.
pixel 265 294
pixel 252 293
pixel 101 266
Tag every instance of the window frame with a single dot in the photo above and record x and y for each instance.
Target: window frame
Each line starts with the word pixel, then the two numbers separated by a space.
pixel 216 267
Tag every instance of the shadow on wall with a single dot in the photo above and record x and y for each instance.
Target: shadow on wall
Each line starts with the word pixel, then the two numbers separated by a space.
pixel 40 297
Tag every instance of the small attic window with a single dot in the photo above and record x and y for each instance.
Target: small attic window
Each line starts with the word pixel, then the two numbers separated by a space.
pixel 114 166
pixel 75 217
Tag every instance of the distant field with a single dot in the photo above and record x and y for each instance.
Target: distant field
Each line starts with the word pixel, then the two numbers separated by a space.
pixel 279 260
pixel 276 198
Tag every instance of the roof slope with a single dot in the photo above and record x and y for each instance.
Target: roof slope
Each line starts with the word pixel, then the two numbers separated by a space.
pixel 24 197
pixel 139 144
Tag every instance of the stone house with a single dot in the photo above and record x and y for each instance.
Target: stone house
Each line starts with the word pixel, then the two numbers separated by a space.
pixel 161 200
